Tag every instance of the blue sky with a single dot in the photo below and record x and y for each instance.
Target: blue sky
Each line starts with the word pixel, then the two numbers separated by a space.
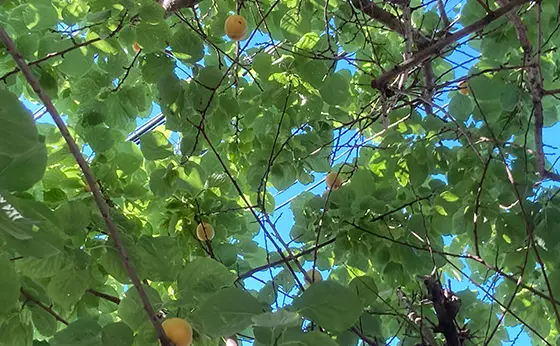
pixel 283 214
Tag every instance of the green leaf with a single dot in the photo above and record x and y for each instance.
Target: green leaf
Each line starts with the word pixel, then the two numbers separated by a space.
pixel 226 254
pixel 131 309
pixel 280 318
pixel 30 227
pixel 161 257
pixel 336 90
pixel 509 98
pixel 152 37
pixel 294 25
pixel 14 332
pixel 203 276
pixel 38 268
pixel 210 77
pixel 67 287
pixel 129 159
pixel 156 65
pixel 316 338
pixel 485 88
pixel 194 178
pixel 163 182
pixel 9 285
pixel 449 196
pixel 365 288
pixel 460 107
pixel 77 62
pixel 39 15
pixel 314 71
pixel 187 45
pixel 100 138
pixel 151 12
pixel 307 42
pixel 117 334
pixel 112 264
pixel 84 331
pixel 44 322
pixel 330 305
pixel 155 146
pixel 23 155
pixel 93 112
pixel 227 312
pixel 282 176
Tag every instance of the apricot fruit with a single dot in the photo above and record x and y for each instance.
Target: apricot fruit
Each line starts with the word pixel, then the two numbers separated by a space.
pixel 178 331
pixel 313 275
pixel 205 231
pixel 236 27
pixel 463 87
pixel 333 181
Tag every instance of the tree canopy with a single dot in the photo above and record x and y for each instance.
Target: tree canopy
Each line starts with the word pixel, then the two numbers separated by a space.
pixel 428 117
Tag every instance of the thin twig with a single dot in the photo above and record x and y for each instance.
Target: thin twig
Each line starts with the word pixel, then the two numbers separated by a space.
pixel 48 309
pixel 477 206
pixel 105 296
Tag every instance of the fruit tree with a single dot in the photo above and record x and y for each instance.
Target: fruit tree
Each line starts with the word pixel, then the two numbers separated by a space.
pixel 279 172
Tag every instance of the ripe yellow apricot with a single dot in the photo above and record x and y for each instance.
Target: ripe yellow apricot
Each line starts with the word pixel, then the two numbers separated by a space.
pixel 178 331
pixel 136 47
pixel 463 87
pixel 236 27
pixel 333 181
pixel 205 231
pixel 314 275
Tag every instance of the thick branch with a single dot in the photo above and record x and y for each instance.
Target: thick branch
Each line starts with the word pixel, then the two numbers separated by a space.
pixel 389 20
pixel 88 174
pixel 446 305
pixel 423 55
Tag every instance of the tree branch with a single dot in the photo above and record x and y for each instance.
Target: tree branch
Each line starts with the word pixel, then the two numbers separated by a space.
pixel 389 20
pixel 423 55
pixel 105 296
pixel 446 305
pixel 281 261
pixel 91 181
pixel 535 88
pixel 48 309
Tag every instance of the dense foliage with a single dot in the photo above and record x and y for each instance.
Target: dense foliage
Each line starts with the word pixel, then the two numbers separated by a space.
pixel 440 179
